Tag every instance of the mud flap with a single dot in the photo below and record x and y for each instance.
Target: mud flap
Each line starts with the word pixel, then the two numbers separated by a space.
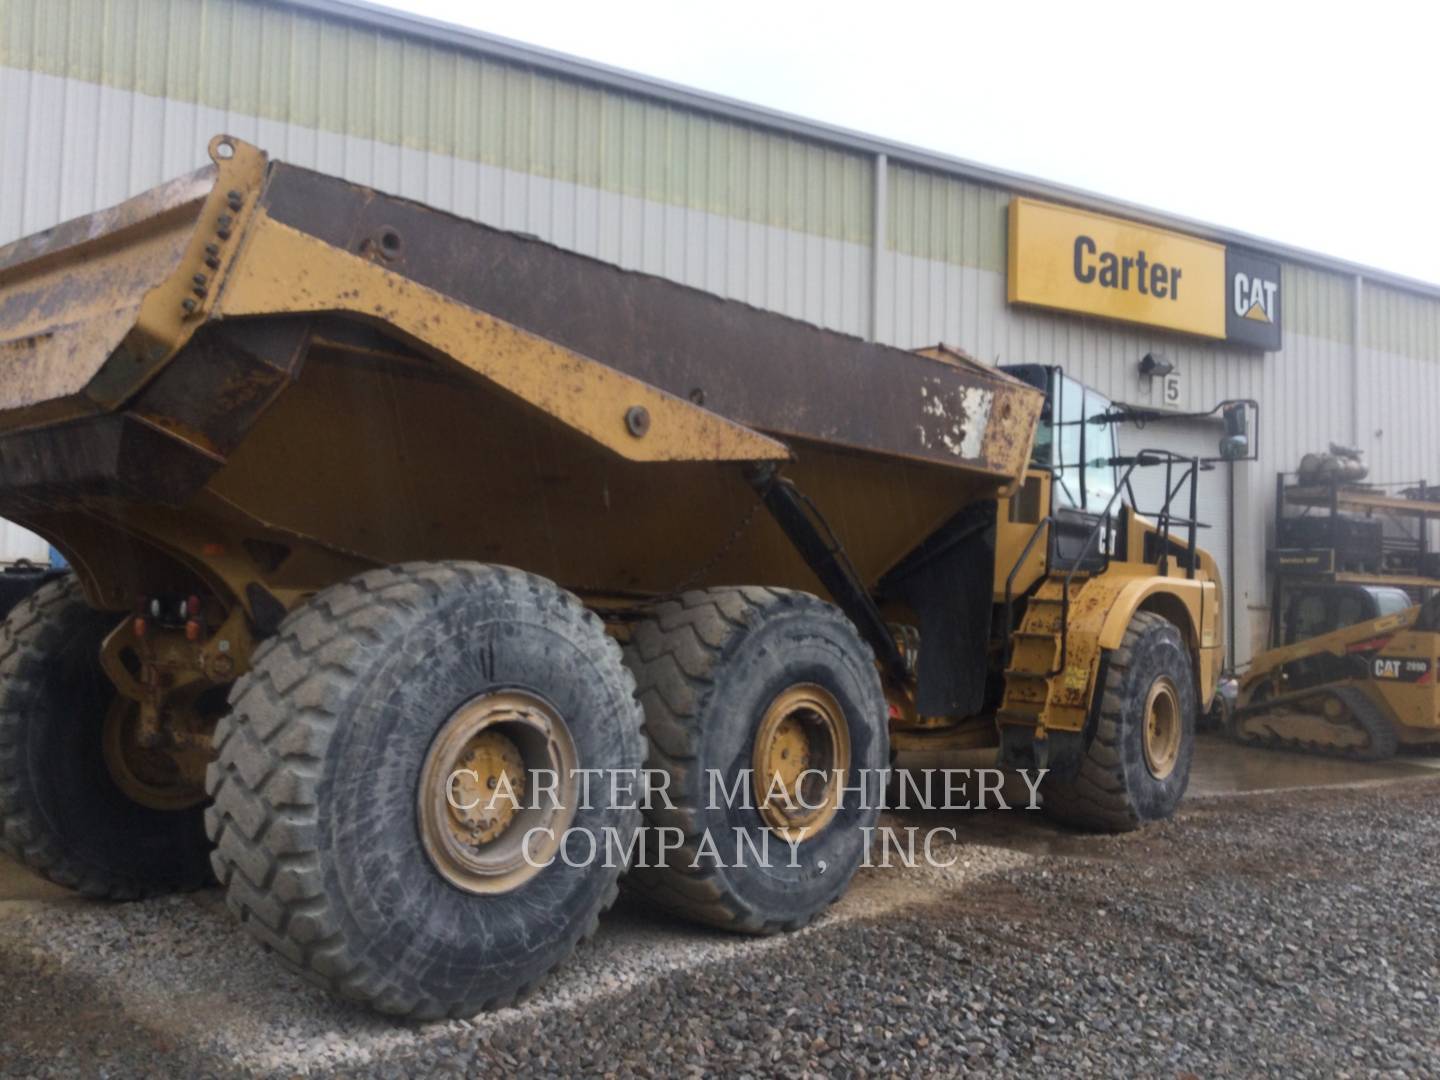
pixel 948 582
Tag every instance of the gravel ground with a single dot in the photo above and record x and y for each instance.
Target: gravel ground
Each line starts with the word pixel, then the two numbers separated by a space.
pixel 1288 933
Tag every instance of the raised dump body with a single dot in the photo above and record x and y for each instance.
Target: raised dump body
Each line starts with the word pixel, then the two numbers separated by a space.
pixel 316 378
pixel 364 502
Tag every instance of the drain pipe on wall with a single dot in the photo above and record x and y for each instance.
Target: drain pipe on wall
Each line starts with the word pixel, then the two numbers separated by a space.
pixel 1357 328
pixel 1234 600
pixel 879 265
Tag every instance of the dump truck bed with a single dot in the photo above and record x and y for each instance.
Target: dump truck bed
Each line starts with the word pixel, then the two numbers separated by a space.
pixel 261 374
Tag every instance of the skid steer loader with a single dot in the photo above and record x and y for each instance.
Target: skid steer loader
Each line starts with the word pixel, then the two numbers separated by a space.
pixel 1355 676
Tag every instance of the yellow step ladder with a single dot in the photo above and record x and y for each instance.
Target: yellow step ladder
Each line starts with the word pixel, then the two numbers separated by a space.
pixel 1032 683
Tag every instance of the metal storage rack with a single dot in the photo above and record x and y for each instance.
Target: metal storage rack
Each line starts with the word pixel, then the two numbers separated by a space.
pixel 1407 558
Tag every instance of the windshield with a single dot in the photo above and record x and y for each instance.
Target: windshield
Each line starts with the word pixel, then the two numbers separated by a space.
pixel 1391 601
pixel 1077 443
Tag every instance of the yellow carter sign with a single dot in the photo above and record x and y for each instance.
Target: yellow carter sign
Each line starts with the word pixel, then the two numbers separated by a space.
pixel 1076 261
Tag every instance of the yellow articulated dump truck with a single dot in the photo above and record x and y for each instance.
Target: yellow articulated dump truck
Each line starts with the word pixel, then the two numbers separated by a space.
pixel 377 515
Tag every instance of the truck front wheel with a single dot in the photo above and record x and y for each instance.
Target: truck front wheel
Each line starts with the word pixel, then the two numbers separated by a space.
pixel 77 804
pixel 1137 765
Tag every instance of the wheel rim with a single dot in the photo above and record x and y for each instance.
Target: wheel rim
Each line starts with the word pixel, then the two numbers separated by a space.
pixel 151 777
pixel 478 800
pixel 1163 728
pixel 802 754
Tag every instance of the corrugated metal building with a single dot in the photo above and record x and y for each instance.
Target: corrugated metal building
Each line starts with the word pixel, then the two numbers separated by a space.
pixel 100 99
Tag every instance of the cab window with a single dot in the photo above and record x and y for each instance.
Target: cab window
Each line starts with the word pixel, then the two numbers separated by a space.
pixel 1078 443
pixel 1351 608
pixel 1308 617
pixel 1390 601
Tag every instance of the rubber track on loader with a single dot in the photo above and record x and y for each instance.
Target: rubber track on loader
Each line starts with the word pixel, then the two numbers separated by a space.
pixel 1381 742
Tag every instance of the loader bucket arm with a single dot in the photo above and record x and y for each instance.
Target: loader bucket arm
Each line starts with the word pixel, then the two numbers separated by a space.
pixel 1337 642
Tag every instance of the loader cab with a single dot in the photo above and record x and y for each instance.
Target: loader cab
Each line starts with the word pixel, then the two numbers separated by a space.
pixel 1312 610
pixel 1309 611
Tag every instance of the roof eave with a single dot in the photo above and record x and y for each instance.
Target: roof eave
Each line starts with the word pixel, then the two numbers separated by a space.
pixel 454 36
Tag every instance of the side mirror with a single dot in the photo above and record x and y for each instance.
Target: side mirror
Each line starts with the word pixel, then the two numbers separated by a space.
pixel 1236 443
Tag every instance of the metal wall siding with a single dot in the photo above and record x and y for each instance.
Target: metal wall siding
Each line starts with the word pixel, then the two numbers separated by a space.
pixel 1402 323
pixel 272 63
pixel 946 219
pixel 1401 447
pixel 99 162
pixel 1316 303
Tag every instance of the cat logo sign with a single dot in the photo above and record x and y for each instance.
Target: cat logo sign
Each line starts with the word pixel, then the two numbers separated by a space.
pixel 1255 298
pixel 1252 311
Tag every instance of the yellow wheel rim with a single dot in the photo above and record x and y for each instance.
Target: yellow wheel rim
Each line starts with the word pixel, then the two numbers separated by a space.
pixel 1163 728
pixel 488 823
pixel 158 778
pixel 801 758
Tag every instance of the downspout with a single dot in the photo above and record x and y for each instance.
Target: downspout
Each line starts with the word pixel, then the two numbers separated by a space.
pixel 1357 330
pixel 878 229
pixel 1230 556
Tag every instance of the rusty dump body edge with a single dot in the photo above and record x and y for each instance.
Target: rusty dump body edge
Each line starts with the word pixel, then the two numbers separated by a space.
pixel 261 374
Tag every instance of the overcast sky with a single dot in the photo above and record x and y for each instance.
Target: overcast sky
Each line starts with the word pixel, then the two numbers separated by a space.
pixel 1311 124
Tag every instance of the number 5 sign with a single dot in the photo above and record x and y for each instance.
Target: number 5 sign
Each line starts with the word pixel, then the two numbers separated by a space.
pixel 1170 391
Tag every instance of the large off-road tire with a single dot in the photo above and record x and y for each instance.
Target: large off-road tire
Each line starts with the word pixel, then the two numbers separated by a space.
pixel 61 811
pixel 1137 765
pixel 318 817
pixel 710 668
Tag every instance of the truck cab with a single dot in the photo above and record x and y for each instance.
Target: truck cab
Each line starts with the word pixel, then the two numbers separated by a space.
pixel 1074 455
pixel 1107 624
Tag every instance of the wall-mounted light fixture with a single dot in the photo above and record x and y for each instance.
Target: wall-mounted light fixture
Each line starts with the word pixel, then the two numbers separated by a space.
pixel 1154 364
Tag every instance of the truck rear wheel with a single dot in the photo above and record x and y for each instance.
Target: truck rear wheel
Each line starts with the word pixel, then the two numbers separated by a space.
pixel 76 806
pixel 346 833
pixel 740 687
pixel 1137 765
